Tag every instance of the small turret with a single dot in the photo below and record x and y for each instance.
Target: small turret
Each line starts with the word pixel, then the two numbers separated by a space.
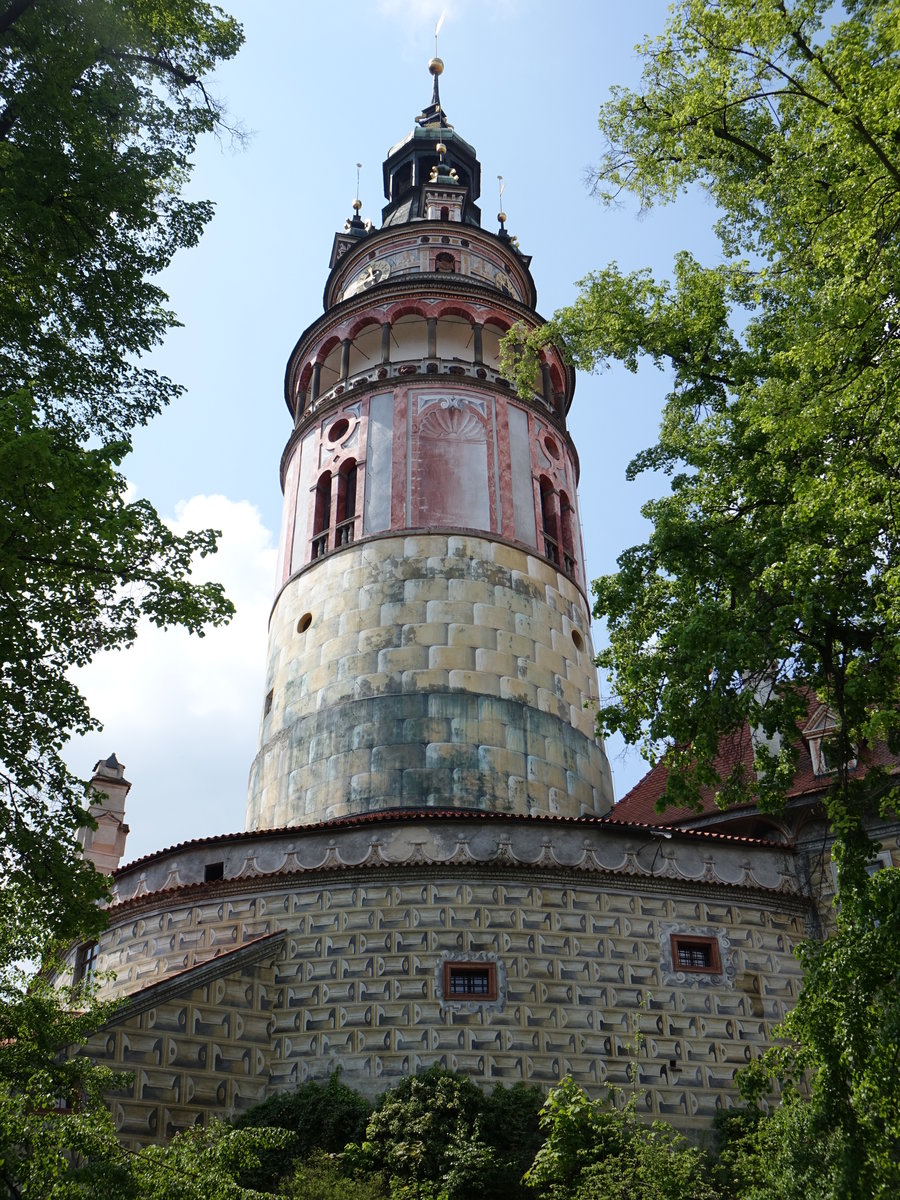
pixel 105 845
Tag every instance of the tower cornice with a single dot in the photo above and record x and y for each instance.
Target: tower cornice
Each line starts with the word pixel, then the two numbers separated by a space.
pixel 428 232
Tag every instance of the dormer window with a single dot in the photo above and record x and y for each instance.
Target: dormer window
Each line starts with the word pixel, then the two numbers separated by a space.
pixel 818 733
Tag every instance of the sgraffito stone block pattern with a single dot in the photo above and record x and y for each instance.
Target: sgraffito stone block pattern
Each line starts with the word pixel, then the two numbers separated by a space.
pixel 205 1052
pixel 583 964
pixel 432 670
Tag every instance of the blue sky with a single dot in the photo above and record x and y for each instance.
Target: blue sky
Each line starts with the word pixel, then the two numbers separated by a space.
pixel 319 88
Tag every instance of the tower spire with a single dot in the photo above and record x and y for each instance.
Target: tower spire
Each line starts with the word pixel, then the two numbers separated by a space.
pixel 433 114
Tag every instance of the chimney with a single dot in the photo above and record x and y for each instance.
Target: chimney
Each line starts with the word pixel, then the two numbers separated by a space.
pixel 105 845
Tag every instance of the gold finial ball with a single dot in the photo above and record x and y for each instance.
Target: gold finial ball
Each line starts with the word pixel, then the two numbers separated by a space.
pixel 501 217
pixel 357 205
pixel 441 148
pixel 436 66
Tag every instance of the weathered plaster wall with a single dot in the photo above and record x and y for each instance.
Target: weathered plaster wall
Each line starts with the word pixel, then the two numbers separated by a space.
pixel 440 670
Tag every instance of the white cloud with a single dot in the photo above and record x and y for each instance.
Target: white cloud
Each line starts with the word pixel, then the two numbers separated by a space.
pixel 182 712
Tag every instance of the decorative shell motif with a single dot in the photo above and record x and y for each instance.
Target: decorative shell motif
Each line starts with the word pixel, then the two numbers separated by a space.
pixel 452 421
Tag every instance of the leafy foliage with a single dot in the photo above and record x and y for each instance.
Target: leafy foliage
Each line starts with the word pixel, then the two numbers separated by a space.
pixel 771 568
pixel 322 1118
pixel 100 106
pixel 836 1132
pixel 57 1137
pixel 593 1150
pixel 435 1134
pixel 101 103
pixel 321 1178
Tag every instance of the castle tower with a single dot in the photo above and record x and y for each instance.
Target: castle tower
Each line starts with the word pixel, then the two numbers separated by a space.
pixel 430 638
pixel 427 875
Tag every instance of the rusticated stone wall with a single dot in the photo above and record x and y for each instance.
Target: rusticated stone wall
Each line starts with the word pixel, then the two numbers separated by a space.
pixel 194 1047
pixel 434 670
pixel 353 976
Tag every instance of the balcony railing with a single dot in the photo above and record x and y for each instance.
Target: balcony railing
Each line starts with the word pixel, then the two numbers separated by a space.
pixel 419 366
pixel 343 533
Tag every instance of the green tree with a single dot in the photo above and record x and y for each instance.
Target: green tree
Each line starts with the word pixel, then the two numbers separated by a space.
pixel 771 568
pixel 57 1136
pixel 322 1118
pixel 593 1150
pixel 101 103
pixel 835 1132
pixel 425 1137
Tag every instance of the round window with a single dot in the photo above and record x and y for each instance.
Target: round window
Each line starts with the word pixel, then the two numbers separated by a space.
pixel 338 429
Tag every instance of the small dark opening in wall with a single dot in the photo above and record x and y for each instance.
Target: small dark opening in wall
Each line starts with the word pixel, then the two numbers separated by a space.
pixel 213 871
pixel 470 981
pixel 304 623
pixel 338 429
pixel 577 639
pixel 270 696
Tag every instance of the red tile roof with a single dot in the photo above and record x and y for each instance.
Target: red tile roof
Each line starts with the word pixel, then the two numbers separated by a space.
pixel 735 749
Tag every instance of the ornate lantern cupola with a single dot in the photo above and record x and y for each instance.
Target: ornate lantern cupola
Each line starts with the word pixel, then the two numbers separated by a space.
pixel 433 174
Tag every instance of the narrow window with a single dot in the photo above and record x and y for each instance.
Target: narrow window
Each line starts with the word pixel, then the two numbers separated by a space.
pixel 567 521
pixel 346 505
pixel 548 520
pixel 470 981
pixel 445 213
pixel 401 181
pixel 322 518
pixel 699 954
pixel 85 963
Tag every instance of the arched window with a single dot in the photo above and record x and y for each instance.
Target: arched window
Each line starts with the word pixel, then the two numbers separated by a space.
pixel 445 213
pixel 445 261
pixel 548 520
pixel 401 181
pixel 345 523
pixel 567 534
pixel 322 517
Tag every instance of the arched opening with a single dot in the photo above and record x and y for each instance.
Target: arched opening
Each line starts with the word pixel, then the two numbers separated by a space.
pixel 322 516
pixel 445 262
pixel 365 350
pixel 454 338
pixel 409 338
pixel 330 373
pixel 401 181
pixel 567 534
pixel 445 213
pixel 490 338
pixel 345 523
pixel 548 520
